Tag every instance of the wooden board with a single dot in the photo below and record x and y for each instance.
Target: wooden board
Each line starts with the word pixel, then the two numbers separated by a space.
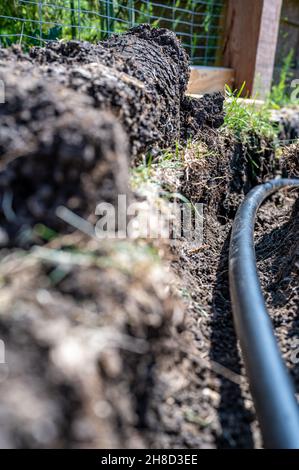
pixel 209 79
pixel 265 57
pixel 250 42
pixel 241 40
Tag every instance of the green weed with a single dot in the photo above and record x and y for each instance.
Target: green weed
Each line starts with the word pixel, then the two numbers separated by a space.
pixel 247 119
pixel 280 94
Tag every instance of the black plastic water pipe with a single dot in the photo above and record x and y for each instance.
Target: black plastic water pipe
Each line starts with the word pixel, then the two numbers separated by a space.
pixel 271 386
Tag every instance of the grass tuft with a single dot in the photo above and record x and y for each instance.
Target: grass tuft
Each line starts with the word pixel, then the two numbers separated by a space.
pixel 248 119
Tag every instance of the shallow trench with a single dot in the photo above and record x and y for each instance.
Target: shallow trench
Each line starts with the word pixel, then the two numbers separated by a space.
pixel 201 397
pixel 98 353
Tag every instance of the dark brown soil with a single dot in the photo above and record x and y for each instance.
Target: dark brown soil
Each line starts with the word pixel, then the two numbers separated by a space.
pixel 98 351
pixel 55 150
pixel 65 105
pixel 82 327
pixel 141 77
pixel 206 400
pixel 290 161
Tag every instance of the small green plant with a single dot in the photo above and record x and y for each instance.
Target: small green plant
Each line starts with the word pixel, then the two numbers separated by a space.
pixel 280 95
pixel 247 119
pixel 45 233
pixel 142 173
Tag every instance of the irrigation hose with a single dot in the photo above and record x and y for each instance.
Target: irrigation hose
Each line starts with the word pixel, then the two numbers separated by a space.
pixel 271 386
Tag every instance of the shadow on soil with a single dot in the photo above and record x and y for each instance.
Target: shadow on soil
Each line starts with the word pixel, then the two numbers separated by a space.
pixel 234 418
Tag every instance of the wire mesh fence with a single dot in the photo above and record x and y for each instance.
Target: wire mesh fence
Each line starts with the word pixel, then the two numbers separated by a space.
pixel 198 23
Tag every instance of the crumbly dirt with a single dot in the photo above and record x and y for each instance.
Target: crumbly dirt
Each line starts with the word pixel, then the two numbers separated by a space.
pixel 76 115
pixel 290 161
pixel 82 325
pixel 127 343
pixel 106 352
pixel 56 151
pixel 206 400
pixel 140 76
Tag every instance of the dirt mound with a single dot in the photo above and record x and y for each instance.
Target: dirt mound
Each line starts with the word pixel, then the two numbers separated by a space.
pixel 227 170
pixel 101 364
pixel 151 105
pixel 56 150
pixel 201 115
pixel 82 331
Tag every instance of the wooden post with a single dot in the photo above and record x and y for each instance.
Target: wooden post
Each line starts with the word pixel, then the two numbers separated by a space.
pixel 209 79
pixel 266 51
pixel 250 43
